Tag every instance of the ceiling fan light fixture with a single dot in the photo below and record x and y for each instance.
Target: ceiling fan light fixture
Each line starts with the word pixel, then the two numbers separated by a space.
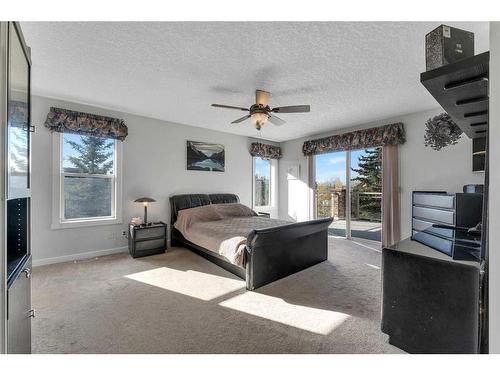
pixel 260 112
pixel 259 119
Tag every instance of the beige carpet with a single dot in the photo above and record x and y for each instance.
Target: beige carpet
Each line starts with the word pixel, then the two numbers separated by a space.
pixel 180 303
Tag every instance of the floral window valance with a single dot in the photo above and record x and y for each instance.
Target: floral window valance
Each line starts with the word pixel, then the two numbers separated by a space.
pixel 66 121
pixel 392 134
pixel 265 151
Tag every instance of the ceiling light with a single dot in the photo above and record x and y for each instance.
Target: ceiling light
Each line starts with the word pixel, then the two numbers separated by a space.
pixel 259 119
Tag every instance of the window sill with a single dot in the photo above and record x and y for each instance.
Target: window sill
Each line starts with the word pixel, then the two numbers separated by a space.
pixel 85 223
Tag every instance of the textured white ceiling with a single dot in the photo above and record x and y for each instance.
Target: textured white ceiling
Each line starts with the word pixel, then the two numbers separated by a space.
pixel 350 73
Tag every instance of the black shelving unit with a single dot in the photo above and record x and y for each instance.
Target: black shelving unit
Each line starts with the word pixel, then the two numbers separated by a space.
pixel 462 90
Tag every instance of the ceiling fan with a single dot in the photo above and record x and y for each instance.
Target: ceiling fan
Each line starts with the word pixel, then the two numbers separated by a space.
pixel 260 112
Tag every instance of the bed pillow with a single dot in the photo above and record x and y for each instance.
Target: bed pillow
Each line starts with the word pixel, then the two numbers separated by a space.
pixel 189 216
pixel 227 210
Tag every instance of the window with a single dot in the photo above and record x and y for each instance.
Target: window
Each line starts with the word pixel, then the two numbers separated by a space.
pixel 88 187
pixel 262 183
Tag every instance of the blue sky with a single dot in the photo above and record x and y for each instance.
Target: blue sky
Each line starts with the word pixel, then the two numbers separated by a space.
pixel 332 165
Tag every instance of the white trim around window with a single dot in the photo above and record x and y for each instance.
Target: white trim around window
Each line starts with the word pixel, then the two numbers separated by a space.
pixel 58 221
pixel 273 190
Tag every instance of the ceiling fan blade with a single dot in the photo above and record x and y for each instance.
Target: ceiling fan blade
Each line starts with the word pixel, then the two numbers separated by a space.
pixel 229 107
pixel 292 109
pixel 240 119
pixel 275 120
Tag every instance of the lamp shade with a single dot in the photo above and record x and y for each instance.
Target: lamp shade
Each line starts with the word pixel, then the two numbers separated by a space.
pixel 144 199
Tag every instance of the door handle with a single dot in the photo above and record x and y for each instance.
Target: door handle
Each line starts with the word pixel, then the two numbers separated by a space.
pixel 27 272
pixel 31 313
pixel 31 128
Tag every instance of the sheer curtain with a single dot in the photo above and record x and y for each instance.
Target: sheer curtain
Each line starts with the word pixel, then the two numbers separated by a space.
pixel 391 218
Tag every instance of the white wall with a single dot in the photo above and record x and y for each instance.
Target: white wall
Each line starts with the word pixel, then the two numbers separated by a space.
pixel 421 168
pixel 154 164
pixel 494 191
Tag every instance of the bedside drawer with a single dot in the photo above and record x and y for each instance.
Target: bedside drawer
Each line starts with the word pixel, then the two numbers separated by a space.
pixel 144 241
pixel 150 245
pixel 433 214
pixel 434 200
pixel 150 233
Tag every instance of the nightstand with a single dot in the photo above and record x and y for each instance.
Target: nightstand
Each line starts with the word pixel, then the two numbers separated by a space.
pixel 146 240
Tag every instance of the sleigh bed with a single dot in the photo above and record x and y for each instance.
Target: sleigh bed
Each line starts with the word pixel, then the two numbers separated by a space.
pixel 258 249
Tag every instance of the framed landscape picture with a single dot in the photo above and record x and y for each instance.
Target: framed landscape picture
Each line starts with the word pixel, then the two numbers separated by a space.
pixel 205 156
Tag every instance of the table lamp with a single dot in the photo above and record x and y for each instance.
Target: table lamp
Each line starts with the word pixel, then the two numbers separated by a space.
pixel 145 201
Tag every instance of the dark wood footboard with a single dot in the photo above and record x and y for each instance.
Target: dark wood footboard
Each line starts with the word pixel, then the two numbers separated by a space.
pixel 274 253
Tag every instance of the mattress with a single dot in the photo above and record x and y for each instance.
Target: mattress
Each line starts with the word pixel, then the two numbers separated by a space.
pixel 222 228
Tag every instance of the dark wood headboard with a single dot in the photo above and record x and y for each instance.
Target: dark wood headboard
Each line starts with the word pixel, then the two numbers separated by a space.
pixel 184 201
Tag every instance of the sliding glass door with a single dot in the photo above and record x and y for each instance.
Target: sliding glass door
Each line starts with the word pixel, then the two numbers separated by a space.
pixel 331 188
pixel 366 193
pixel 349 189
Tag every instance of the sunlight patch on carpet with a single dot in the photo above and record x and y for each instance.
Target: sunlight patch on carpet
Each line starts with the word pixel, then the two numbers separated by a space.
pixel 310 319
pixel 200 285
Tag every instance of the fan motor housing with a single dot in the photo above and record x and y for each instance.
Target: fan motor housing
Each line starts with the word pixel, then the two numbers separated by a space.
pixel 259 108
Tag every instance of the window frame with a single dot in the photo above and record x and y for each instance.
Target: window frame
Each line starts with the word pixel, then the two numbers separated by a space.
pixel 272 177
pixel 58 174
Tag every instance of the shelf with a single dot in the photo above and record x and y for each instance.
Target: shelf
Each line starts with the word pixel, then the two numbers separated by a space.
pixel 462 89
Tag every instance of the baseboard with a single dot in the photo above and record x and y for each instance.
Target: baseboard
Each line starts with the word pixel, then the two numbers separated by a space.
pixel 79 256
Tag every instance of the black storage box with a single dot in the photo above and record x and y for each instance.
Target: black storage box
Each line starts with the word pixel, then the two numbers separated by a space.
pixel 445 45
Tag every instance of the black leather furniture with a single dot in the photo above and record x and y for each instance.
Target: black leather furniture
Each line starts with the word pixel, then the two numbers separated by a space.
pixel 271 253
